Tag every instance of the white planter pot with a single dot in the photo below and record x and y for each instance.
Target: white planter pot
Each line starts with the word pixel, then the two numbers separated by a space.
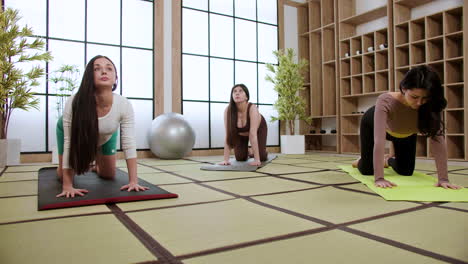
pixel 55 155
pixel 10 152
pixel 292 144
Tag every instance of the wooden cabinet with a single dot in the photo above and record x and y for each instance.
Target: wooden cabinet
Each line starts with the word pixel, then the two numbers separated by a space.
pixel 366 63
pixel 319 39
pixel 347 67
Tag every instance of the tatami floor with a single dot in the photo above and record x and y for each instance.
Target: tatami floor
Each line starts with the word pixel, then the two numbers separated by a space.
pixel 297 209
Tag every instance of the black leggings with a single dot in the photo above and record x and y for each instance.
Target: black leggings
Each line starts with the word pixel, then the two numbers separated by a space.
pixel 405 149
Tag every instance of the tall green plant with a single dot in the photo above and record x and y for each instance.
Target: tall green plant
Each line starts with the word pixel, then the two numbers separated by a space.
pixel 288 80
pixel 16 85
pixel 65 81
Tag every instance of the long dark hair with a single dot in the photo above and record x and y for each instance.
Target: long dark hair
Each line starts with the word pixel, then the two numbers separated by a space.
pixel 84 127
pixel 430 121
pixel 231 135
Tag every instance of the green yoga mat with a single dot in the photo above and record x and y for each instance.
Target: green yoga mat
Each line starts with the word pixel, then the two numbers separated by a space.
pixel 419 187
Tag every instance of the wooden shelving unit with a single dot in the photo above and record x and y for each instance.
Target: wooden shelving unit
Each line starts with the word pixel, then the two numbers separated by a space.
pixel 436 40
pixel 337 84
pixel 365 66
pixel 318 44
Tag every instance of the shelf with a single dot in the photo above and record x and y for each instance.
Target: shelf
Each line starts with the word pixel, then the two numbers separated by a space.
pixel 401 34
pixel 418 53
pixel 381 61
pixel 317 144
pixel 345 48
pixel 454 109
pixel 356 65
pixel 356 46
pixel 314 15
pixel 435 49
pixel 323 116
pixel 399 75
pixel 407 67
pixel 417 29
pixel 350 124
pixel 454 70
pixel 454 45
pixel 455 147
pixel 328 38
pixel 363 95
pixel 345 85
pixel 454 20
pixel 454 122
pixel 366 16
pixel 434 25
pixel 356 85
pixel 454 84
pixel 382 50
pixel 438 67
pixel 368 63
pixel 368 43
pixel 421 146
pixel 350 134
pixel 329 26
pixel 332 150
pixel 369 83
pixel 382 81
pixel 318 134
pixel 352 115
pixel 329 90
pixel 350 143
pixel 345 68
pixel 402 56
pixel 412 3
pixel 328 12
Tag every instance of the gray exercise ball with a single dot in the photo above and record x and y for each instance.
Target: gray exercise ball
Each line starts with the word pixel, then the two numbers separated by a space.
pixel 171 136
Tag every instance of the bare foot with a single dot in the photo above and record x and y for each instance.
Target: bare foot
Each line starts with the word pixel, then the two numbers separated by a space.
pixel 355 163
pixel 93 168
pixel 386 157
pixel 251 155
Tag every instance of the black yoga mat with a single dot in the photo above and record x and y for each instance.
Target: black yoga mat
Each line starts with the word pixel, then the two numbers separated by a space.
pixel 101 191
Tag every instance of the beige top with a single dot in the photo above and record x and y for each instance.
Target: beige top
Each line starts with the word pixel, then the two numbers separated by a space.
pixel 397 118
pixel 121 113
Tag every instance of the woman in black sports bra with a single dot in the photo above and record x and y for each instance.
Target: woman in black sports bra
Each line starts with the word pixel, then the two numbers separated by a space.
pixel 243 123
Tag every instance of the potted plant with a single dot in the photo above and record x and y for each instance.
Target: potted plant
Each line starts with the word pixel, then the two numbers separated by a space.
pixel 65 81
pixel 17 46
pixel 288 80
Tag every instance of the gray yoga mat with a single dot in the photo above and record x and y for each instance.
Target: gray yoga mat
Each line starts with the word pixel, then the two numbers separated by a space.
pixel 238 165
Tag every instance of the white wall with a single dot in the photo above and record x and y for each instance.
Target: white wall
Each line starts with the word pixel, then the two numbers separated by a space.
pixel 434 7
pixel 167 56
pixel 290 28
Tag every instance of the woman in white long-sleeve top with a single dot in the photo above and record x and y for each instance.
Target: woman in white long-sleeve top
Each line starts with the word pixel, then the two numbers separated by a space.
pixel 88 130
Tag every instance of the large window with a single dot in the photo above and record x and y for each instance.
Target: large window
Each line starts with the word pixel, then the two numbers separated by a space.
pixel 225 42
pixel 75 31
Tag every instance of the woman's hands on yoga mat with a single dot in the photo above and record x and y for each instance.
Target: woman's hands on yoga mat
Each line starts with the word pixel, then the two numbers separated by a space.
pixel 133 186
pixel 382 183
pixel 447 185
pixel 225 163
pixel 70 192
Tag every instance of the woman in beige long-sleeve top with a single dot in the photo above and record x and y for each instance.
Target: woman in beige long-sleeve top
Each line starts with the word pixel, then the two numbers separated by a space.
pixel 398 117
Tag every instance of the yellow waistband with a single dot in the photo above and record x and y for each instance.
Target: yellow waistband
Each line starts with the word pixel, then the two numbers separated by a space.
pixel 398 135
